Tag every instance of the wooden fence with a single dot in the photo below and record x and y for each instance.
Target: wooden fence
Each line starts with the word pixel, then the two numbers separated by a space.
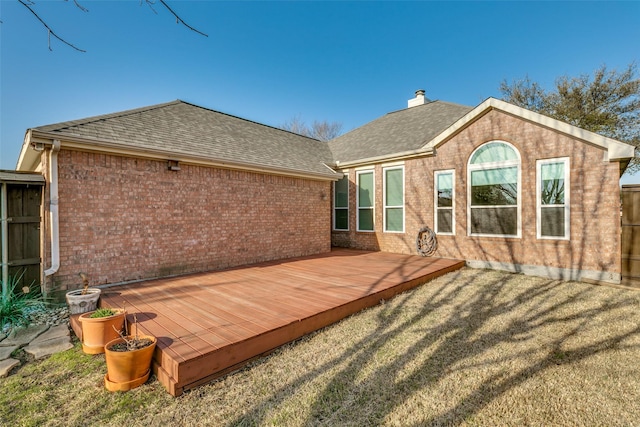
pixel 20 218
pixel 631 235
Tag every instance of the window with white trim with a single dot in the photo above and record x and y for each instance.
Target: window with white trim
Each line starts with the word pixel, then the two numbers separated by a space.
pixel 365 200
pixel 341 203
pixel 494 190
pixel 444 201
pixel 552 198
pixel 394 199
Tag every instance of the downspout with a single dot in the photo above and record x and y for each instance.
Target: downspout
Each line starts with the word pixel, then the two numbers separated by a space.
pixel 5 240
pixel 53 209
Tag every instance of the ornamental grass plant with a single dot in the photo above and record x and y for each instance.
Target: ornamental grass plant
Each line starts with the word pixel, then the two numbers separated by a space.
pixel 17 303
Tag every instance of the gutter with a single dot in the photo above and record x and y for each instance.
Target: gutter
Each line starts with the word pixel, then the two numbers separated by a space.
pixel 53 209
pixel 422 152
pixel 95 145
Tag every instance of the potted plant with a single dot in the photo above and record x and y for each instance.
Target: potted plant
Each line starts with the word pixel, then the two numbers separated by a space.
pixel 83 300
pixel 129 360
pixel 99 327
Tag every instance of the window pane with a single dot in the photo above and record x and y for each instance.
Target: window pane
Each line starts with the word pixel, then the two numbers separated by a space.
pixel 393 181
pixel 342 219
pixel 365 190
pixel 495 176
pixel 394 219
pixel 494 152
pixel 444 221
pixel 365 219
pixel 494 195
pixel 552 184
pixel 494 187
pixel 494 221
pixel 445 190
pixel 552 221
pixel 342 193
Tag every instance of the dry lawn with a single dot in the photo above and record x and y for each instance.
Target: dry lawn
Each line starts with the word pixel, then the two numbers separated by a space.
pixel 472 348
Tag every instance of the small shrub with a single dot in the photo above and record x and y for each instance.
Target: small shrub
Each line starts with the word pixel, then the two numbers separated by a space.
pixel 103 312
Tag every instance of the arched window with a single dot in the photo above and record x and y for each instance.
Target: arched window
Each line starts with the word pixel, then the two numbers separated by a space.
pixel 494 190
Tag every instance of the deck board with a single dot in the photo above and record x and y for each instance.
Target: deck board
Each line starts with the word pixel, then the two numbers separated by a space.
pixel 208 324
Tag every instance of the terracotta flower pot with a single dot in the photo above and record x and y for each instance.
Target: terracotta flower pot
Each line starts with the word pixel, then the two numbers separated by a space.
pixel 128 366
pixel 126 386
pixel 99 331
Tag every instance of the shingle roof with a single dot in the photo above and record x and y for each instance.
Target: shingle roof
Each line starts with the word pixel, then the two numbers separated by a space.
pixel 182 129
pixel 396 132
pixel 185 129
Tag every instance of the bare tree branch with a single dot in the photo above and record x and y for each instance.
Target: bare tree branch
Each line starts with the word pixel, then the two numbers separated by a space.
pixel 178 19
pixel 81 7
pixel 28 4
pixel 322 131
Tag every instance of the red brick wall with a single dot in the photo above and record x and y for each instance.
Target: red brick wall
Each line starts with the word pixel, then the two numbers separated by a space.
pixel 124 219
pixel 595 201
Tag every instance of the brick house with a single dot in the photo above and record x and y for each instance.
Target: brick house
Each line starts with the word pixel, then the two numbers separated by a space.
pixel 176 188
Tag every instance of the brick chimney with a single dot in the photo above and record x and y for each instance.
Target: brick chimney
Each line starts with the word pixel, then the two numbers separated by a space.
pixel 420 99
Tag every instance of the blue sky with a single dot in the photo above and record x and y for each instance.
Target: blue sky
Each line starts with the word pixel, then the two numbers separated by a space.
pixel 271 61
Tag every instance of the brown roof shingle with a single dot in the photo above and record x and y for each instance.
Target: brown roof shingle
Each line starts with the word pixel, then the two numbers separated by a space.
pixel 186 129
pixel 397 132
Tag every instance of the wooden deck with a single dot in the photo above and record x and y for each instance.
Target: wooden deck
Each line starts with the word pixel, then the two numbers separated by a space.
pixel 209 324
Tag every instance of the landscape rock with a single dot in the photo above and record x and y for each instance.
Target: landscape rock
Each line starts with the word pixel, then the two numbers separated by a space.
pixel 23 336
pixel 49 347
pixel 5 351
pixel 7 365
pixel 52 341
pixel 48 333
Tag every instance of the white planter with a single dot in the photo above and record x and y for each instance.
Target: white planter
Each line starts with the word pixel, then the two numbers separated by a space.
pixel 79 303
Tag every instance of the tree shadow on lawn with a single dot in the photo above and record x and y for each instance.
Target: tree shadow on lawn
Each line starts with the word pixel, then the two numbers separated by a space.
pixel 471 320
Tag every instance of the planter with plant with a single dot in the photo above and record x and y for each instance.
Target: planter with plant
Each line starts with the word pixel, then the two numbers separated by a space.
pixel 129 360
pixel 99 327
pixel 83 300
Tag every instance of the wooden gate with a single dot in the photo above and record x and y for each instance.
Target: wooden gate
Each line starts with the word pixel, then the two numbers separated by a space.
pixel 21 200
pixel 631 235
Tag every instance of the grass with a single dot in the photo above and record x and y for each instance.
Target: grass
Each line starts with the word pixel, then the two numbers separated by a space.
pixel 472 348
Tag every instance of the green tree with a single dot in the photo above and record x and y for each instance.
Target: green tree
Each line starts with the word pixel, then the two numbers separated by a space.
pixel 607 103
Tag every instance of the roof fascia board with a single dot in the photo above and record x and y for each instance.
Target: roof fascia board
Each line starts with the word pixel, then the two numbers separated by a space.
pixel 616 150
pixel 28 159
pixel 21 177
pixel 94 145
pixel 422 152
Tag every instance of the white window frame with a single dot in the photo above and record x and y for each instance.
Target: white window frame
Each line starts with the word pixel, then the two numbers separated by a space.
pixel 373 200
pixel 384 198
pixel 436 174
pixel 566 205
pixel 346 175
pixel 496 165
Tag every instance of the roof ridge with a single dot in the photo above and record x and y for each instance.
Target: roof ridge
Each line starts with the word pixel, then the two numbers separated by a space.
pixel 407 108
pixel 248 120
pixel 429 103
pixel 88 120
pixel 92 119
